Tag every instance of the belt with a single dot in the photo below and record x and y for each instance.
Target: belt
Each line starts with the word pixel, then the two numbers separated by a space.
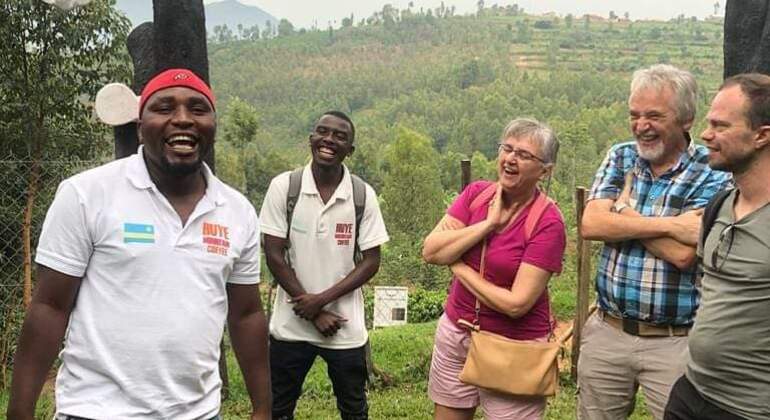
pixel 644 329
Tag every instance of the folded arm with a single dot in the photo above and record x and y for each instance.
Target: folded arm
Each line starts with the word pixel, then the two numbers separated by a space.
pixel 672 239
pixel 529 284
pixel 451 238
pixel 599 223
pixel 681 255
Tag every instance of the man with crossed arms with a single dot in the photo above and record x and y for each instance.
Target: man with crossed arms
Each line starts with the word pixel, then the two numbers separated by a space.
pixel 645 205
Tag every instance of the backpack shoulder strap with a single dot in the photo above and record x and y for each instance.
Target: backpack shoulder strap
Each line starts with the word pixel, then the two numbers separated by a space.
pixel 710 213
pixel 542 202
pixel 483 197
pixel 359 202
pixel 539 206
pixel 295 185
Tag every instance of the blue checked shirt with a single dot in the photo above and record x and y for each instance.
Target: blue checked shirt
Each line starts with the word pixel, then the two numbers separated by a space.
pixel 630 281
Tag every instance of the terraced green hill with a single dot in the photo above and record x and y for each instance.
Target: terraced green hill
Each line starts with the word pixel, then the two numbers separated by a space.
pixel 456 80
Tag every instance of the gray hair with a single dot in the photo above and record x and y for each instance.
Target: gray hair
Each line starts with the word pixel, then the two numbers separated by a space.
pixel 681 82
pixel 538 132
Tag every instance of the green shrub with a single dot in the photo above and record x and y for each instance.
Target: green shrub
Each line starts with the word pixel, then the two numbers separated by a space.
pixel 422 306
pixel 425 305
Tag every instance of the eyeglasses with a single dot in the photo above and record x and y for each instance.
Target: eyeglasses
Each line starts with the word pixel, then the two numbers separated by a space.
pixel 507 149
pixel 727 233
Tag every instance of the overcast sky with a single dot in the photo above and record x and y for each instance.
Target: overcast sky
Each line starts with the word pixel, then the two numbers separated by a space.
pixel 303 13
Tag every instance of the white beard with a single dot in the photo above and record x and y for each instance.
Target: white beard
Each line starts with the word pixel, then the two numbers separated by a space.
pixel 653 154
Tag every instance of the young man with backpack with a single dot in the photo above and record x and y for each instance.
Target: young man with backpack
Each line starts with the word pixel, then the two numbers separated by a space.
pixel 316 220
pixel 728 375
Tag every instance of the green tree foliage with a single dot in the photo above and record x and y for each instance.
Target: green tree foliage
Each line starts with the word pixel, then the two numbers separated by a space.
pixel 285 28
pixel 367 161
pixel 483 168
pixel 246 158
pixel 241 123
pixel 451 170
pixel 53 63
pixel 223 34
pixel 347 22
pixel 412 203
pixel 412 195
pixel 523 32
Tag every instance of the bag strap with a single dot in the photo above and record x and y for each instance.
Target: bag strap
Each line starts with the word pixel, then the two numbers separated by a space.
pixel 359 203
pixel 710 213
pixel 538 207
pixel 536 210
pixel 485 196
pixel 482 270
pixel 295 185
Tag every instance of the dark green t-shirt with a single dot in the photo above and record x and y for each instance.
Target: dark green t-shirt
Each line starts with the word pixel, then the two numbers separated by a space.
pixel 730 341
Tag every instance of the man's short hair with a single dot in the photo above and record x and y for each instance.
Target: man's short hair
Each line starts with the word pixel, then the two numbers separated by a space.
pixel 756 87
pixel 343 116
pixel 681 82
pixel 533 129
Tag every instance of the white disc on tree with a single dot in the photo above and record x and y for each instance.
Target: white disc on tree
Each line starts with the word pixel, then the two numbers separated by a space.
pixel 67 4
pixel 116 104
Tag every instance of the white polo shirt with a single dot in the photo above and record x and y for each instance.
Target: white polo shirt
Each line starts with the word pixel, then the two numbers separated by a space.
pixel 143 338
pixel 322 245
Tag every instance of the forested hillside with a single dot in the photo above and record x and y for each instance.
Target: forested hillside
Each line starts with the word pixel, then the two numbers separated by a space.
pixel 428 88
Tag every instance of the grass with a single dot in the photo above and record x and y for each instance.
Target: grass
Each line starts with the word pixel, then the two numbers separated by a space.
pixel 403 353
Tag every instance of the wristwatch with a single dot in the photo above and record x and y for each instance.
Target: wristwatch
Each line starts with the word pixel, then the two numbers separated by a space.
pixel 619 207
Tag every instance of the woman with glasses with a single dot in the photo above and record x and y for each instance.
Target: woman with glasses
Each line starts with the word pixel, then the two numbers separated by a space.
pixel 511 298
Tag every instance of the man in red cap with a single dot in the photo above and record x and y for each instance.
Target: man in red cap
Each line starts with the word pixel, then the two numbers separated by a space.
pixel 140 263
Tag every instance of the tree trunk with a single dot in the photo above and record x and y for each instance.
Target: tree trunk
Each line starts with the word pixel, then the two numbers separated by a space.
pixel 26 229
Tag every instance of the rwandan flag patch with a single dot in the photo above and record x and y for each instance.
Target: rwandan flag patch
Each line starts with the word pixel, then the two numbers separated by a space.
pixel 137 233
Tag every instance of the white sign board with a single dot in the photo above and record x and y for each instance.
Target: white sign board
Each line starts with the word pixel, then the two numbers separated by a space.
pixel 390 305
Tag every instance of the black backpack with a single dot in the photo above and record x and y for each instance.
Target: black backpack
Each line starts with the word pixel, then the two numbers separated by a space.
pixel 710 213
pixel 359 202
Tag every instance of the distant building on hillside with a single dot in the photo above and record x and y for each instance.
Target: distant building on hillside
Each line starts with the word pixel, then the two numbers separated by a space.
pixel 594 18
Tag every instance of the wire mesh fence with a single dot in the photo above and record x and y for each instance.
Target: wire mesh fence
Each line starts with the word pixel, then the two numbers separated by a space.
pixel 27 187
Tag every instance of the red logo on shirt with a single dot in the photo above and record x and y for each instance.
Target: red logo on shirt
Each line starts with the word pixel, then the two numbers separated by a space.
pixel 343 233
pixel 216 238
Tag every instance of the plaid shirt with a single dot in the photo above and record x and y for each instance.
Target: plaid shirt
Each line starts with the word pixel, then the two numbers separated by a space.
pixel 630 281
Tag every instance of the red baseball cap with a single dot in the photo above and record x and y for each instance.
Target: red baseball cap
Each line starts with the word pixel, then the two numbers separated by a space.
pixel 175 78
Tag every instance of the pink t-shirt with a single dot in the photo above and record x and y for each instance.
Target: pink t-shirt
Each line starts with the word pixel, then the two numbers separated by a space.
pixel 505 252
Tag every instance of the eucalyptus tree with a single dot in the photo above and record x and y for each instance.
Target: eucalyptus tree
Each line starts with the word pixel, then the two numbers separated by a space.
pixel 53 62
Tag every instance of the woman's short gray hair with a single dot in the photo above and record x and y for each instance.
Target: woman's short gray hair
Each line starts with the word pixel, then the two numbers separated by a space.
pixel 681 82
pixel 540 133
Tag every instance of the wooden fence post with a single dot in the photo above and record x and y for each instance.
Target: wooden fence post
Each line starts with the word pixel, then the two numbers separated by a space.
pixel 465 168
pixel 583 280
